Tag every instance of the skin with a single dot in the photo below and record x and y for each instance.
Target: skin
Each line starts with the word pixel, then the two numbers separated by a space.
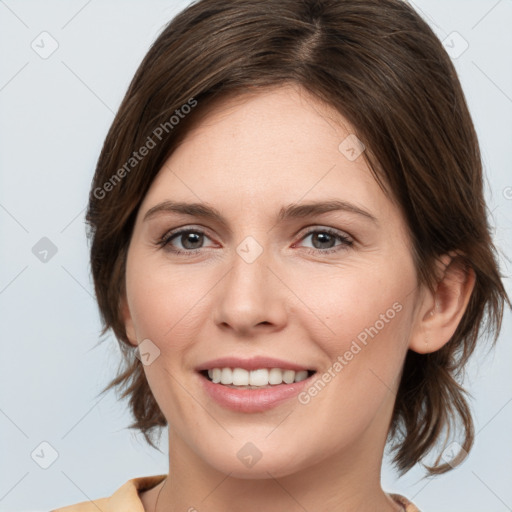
pixel 247 157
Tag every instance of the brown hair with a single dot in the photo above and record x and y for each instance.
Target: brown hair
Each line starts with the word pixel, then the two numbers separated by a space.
pixel 380 66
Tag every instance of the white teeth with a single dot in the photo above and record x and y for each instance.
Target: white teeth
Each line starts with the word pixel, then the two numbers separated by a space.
pixel 259 378
pixel 302 375
pixel 226 377
pixel 240 377
pixel 217 372
pixel 288 376
pixel 275 376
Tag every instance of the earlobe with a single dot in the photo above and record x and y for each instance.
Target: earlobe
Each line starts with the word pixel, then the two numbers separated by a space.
pixel 128 322
pixel 441 311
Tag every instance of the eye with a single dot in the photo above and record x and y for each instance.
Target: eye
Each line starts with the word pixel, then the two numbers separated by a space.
pixel 324 238
pixel 191 241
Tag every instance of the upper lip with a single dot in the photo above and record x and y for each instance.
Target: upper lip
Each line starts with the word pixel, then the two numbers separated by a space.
pixel 253 363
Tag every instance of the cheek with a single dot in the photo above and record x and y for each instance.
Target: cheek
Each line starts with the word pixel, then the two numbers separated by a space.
pixel 166 302
pixel 366 321
pixel 166 308
pixel 356 303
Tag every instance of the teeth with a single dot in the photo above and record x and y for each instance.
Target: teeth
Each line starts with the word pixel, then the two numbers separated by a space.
pixel 301 375
pixel 288 376
pixel 275 376
pixel 226 377
pixel 258 378
pixel 240 377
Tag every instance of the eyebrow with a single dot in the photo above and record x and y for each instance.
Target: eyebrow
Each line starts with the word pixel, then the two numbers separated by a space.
pixel 291 211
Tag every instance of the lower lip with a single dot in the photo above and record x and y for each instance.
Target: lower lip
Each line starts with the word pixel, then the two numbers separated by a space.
pixel 252 400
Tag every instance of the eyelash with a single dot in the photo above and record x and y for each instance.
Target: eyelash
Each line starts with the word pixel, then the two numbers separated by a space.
pixel 164 242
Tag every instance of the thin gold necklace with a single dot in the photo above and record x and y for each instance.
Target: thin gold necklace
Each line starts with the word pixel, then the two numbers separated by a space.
pixel 158 497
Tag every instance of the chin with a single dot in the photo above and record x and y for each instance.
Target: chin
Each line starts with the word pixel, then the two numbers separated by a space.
pixel 246 461
pixel 259 471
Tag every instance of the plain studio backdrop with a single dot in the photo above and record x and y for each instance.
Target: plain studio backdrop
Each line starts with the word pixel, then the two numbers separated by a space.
pixel 65 68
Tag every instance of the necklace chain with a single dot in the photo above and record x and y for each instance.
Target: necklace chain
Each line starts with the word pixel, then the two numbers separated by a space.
pixel 159 492
pixel 158 497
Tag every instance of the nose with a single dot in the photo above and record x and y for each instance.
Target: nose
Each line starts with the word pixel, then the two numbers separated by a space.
pixel 252 296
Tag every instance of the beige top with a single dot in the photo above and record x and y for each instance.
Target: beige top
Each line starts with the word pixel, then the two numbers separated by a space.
pixel 127 499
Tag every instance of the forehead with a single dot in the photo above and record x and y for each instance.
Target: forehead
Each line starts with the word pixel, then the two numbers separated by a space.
pixel 279 118
pixel 265 149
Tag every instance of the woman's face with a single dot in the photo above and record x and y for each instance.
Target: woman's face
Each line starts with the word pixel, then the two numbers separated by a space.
pixel 327 290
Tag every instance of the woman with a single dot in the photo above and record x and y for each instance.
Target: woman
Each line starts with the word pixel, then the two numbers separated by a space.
pixel 289 232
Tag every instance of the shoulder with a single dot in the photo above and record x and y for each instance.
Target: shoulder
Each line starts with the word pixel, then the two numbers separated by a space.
pixel 127 494
pixel 409 507
pixel 85 506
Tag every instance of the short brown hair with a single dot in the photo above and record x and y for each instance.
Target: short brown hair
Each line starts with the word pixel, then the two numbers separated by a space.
pixel 380 66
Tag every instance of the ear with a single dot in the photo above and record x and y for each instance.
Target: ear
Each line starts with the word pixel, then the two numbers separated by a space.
pixel 128 321
pixel 441 311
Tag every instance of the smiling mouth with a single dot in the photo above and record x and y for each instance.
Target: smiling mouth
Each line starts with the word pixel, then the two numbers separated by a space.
pixel 239 378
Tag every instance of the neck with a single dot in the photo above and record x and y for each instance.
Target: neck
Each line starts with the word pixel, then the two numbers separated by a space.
pixel 345 482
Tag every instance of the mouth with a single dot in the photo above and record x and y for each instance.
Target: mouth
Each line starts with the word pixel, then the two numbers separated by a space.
pixel 255 384
pixel 259 378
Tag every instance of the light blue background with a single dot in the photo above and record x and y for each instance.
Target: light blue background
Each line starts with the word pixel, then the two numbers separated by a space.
pixel 54 115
